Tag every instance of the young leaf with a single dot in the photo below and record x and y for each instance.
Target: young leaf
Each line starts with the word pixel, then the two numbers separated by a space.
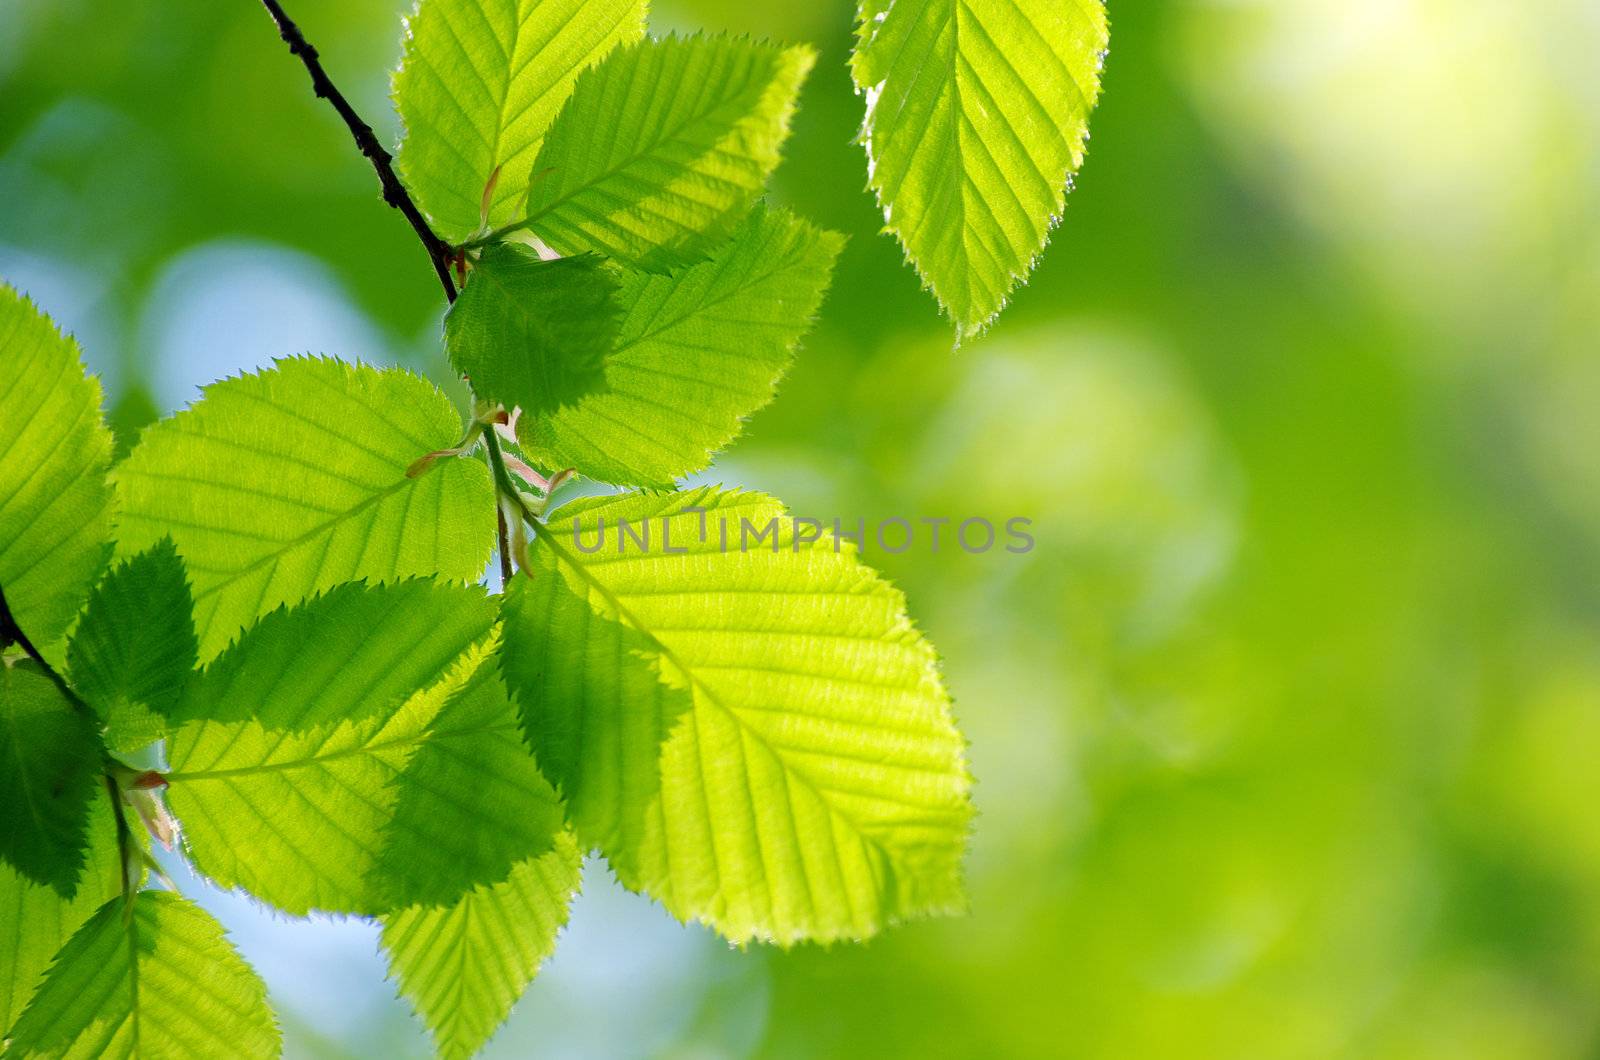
pixel 352 652
pixel 49 766
pixel 663 147
pixel 277 484
pixel 768 747
pixel 306 820
pixel 463 967
pixel 531 333
pixel 55 506
pixel 698 351
pixel 977 115
pixel 132 653
pixel 480 83
pixel 35 920
pixel 159 980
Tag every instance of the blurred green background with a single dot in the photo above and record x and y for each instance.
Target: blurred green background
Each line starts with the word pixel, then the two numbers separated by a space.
pixel 1287 734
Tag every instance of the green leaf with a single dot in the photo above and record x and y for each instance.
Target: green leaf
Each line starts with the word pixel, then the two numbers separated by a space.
pixel 698 351
pixel 293 819
pixel 531 333
pixel 350 653
pixel 759 739
pixel 49 766
pixel 463 967
pixel 159 980
pixel 55 506
pixel 480 83
pixel 307 819
pixel 472 803
pixel 977 117
pixel 35 920
pixel 135 647
pixel 279 483
pixel 663 147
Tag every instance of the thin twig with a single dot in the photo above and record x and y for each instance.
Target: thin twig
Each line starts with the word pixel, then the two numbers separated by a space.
pixel 502 477
pixel 11 633
pixel 394 193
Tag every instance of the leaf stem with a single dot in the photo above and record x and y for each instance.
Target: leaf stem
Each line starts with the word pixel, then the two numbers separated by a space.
pixel 495 236
pixel 394 192
pixel 502 477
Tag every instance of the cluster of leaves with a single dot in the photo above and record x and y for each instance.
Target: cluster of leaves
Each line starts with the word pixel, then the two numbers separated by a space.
pixel 275 603
pixel 977 119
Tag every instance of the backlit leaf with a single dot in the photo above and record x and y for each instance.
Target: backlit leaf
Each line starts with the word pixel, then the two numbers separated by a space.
pixel 324 818
pixel 757 737
pixel 160 980
pixel 132 653
pixel 281 483
pixel 55 506
pixel 462 967
pixel 354 651
pixel 472 803
pixel 663 147
pixel 698 351
pixel 49 767
pixel 35 920
pixel 977 117
pixel 531 333
pixel 480 83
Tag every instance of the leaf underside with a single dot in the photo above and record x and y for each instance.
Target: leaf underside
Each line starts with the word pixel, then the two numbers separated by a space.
pixel 977 117
pixel 758 739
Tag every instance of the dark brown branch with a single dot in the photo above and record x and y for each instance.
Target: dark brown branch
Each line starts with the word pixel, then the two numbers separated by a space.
pixel 11 633
pixel 394 193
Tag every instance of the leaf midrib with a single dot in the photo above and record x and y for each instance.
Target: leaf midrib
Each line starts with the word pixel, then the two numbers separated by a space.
pixel 711 696
pixel 289 546
pixel 650 148
pixel 314 760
